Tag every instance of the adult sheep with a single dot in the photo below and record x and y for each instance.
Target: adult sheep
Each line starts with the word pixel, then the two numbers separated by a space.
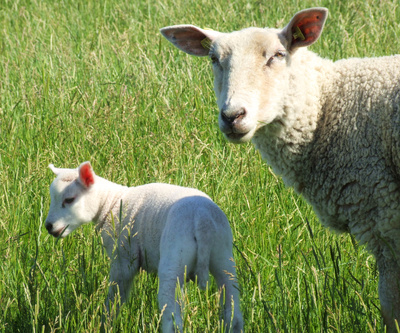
pixel 330 129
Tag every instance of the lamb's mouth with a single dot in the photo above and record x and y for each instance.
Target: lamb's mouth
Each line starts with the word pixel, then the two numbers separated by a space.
pixel 59 232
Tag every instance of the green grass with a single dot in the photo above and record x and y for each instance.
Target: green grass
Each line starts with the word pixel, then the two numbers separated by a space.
pixel 94 80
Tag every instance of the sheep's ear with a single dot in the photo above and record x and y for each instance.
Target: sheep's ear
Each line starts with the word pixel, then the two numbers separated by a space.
pixel 190 39
pixel 304 28
pixel 86 174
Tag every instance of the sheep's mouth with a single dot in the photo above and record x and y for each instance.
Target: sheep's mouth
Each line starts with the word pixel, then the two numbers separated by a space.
pixel 237 137
pixel 236 133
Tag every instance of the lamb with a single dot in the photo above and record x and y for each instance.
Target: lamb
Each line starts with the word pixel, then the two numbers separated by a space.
pixel 157 227
pixel 331 130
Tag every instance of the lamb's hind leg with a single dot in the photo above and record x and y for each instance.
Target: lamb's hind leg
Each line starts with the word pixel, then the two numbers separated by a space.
pixel 389 291
pixel 169 306
pixel 176 255
pixel 224 271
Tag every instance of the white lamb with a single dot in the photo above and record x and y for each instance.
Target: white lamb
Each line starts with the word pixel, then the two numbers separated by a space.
pixel 330 129
pixel 164 228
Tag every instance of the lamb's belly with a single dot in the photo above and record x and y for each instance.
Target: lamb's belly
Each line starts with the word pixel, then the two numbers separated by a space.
pixel 149 255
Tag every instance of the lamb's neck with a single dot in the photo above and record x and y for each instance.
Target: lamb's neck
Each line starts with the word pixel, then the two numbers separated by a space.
pixel 110 196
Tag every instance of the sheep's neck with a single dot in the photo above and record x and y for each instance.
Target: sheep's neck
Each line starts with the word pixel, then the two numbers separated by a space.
pixel 286 143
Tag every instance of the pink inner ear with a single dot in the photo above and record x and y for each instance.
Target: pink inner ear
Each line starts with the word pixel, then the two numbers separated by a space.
pixel 306 27
pixel 86 175
pixel 189 38
pixel 310 27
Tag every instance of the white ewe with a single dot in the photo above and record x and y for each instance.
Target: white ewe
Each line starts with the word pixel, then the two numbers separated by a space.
pixel 164 228
pixel 330 129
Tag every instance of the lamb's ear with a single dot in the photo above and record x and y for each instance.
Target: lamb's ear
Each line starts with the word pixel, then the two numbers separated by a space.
pixel 57 171
pixel 190 39
pixel 54 169
pixel 304 28
pixel 86 174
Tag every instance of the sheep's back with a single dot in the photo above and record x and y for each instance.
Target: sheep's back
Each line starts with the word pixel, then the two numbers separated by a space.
pixel 354 165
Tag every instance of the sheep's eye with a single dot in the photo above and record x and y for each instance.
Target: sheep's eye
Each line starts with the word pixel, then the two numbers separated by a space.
pixel 278 55
pixel 68 201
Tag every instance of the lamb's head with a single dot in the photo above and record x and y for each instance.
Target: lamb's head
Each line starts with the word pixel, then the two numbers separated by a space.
pixel 251 68
pixel 72 201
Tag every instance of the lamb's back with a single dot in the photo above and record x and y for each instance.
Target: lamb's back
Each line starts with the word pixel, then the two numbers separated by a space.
pixel 147 208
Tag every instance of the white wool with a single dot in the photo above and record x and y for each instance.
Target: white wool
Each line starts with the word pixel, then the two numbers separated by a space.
pixel 160 228
pixel 330 129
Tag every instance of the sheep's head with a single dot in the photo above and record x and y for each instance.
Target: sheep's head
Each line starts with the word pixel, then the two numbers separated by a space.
pixel 69 194
pixel 250 68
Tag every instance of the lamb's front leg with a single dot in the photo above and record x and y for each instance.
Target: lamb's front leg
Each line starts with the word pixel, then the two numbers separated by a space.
pixel 122 271
pixel 389 291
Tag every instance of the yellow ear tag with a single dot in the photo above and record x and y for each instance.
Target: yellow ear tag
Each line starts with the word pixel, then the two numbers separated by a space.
pixel 206 43
pixel 298 34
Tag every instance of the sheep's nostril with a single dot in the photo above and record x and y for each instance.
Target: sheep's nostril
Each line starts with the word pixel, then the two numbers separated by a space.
pixel 233 118
pixel 240 114
pixel 48 226
pixel 226 118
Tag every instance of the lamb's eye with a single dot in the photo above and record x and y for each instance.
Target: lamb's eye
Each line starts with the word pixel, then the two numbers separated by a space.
pixel 214 59
pixel 68 201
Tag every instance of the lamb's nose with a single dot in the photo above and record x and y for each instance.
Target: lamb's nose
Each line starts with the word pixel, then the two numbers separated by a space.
pixel 232 118
pixel 48 226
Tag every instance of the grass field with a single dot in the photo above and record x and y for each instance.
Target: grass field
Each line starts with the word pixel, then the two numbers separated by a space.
pixel 94 80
